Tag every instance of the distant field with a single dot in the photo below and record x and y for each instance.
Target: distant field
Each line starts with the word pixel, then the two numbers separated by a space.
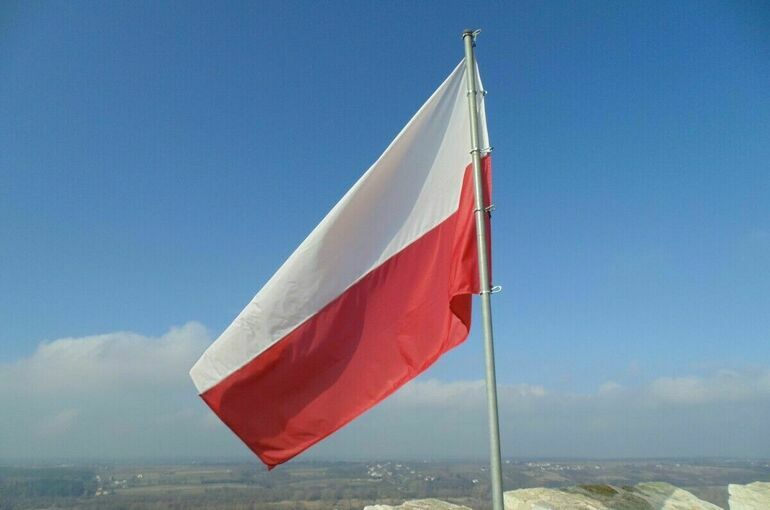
pixel 340 485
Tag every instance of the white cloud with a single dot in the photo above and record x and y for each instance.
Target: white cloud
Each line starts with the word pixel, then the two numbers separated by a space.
pixel 94 364
pixel 117 394
pixel 128 395
pixel 721 386
pixel 58 424
pixel 459 394
pixel 719 413
pixel 610 388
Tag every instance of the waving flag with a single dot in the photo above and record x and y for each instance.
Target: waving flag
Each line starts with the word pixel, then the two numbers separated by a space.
pixel 371 298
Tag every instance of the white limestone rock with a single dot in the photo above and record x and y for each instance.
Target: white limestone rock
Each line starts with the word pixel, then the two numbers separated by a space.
pixel 549 499
pixel 665 496
pixel 754 496
pixel 645 496
pixel 420 504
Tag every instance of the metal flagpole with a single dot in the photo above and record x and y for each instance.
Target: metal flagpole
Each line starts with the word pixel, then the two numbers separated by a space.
pixel 496 473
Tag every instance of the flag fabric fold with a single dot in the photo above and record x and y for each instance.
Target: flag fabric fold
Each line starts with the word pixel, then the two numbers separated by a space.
pixel 371 298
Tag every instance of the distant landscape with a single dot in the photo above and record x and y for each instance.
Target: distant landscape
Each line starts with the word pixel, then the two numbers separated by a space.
pixel 340 485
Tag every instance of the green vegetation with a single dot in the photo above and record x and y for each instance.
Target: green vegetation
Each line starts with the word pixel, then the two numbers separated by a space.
pixel 20 486
pixel 599 490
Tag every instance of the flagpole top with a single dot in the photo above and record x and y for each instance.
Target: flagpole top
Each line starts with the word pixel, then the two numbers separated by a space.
pixel 469 32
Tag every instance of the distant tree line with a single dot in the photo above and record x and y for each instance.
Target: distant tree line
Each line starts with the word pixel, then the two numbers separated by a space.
pixel 21 486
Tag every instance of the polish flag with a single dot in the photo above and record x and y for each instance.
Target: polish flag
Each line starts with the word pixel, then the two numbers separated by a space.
pixel 377 292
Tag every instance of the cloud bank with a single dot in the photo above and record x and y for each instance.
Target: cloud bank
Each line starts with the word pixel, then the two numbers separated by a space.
pixel 118 395
pixel 125 395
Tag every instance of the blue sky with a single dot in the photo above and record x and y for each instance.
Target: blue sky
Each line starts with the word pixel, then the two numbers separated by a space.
pixel 158 162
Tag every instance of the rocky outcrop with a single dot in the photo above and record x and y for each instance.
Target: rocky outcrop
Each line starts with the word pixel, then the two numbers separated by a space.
pixel 754 496
pixel 668 497
pixel 645 496
pixel 420 504
pixel 550 499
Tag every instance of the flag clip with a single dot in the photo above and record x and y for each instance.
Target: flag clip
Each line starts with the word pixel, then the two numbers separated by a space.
pixel 493 290
pixel 488 209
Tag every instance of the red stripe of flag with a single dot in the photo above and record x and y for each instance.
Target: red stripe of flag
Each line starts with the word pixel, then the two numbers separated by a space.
pixel 383 331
